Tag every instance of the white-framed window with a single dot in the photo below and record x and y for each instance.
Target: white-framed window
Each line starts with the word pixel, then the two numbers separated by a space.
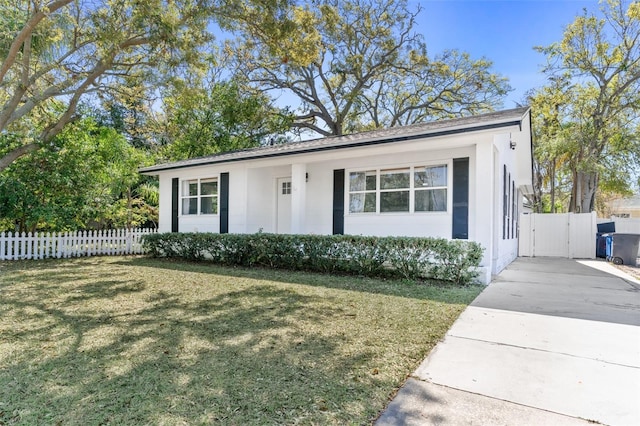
pixel 199 196
pixel 363 191
pixel 286 188
pixel 395 190
pixel 412 189
pixel 430 184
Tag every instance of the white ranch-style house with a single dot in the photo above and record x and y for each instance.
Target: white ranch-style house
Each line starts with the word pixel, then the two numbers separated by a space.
pixel 459 179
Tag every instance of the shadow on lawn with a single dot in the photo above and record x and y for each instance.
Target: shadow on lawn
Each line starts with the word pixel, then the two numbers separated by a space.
pixel 434 291
pixel 111 352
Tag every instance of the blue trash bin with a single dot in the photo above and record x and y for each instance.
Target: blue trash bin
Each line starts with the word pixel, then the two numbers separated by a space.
pixel 608 245
pixel 601 245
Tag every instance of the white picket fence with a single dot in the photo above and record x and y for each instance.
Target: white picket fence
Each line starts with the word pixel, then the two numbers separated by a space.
pixel 19 246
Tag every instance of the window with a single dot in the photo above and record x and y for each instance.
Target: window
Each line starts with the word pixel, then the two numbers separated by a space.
pixel 399 190
pixel 286 188
pixel 394 190
pixel 200 196
pixel 430 184
pixel 514 207
pixel 362 192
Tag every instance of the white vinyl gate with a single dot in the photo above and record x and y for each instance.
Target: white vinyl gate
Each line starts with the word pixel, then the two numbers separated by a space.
pixel 568 235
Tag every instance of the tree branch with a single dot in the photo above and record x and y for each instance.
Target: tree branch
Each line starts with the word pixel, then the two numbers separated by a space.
pixel 68 115
pixel 17 153
pixel 26 31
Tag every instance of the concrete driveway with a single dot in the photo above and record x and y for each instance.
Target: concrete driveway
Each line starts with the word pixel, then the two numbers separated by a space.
pixel 550 341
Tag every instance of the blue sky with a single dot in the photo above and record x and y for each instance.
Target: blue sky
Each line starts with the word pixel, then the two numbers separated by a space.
pixel 503 31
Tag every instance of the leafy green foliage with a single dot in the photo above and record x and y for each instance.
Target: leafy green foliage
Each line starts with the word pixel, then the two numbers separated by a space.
pixel 87 177
pixel 207 118
pixel 56 53
pixel 411 258
pixel 588 116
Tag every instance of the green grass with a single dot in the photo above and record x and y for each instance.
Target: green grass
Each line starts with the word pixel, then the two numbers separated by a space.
pixel 127 340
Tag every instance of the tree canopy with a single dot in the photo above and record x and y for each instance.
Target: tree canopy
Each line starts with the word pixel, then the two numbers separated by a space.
pixel 86 177
pixel 56 53
pixel 91 91
pixel 216 116
pixel 588 116
pixel 372 70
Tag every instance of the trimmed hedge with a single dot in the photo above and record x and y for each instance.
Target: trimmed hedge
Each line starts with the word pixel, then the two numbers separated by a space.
pixel 411 258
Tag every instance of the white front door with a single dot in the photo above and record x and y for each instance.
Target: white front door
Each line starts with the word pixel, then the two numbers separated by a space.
pixel 283 224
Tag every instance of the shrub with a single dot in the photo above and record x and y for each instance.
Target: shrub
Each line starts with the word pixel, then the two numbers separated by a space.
pixel 411 258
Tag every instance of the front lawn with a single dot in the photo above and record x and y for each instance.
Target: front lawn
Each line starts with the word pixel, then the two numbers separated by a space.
pixel 127 340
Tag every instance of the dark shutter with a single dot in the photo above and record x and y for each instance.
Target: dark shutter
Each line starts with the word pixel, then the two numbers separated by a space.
pixel 338 202
pixel 460 198
pixel 505 202
pixel 509 207
pixel 175 203
pixel 513 209
pixel 224 203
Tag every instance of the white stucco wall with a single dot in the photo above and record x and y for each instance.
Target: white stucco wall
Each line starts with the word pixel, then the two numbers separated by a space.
pixel 319 208
pixel 261 197
pixel 238 182
pixel 164 219
pixel 506 249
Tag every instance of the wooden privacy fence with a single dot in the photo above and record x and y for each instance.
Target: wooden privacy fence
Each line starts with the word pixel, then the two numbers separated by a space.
pixel 19 246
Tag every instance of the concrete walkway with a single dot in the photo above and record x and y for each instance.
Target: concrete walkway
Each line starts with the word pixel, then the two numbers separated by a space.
pixel 550 341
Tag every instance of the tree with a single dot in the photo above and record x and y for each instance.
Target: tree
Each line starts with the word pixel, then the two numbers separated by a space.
pixel 55 53
pixel 372 71
pixel 552 136
pixel 64 50
pixel 86 177
pixel 599 61
pixel 422 89
pixel 215 116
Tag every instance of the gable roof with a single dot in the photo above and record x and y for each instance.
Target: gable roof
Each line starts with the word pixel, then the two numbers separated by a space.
pixel 492 120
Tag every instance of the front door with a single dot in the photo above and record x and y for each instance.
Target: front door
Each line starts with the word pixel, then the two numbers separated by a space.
pixel 283 224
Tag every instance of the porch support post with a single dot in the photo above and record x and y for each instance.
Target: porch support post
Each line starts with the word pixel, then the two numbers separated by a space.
pixel 298 198
pixel 484 207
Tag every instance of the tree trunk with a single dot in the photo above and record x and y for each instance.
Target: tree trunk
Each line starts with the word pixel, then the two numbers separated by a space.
pixel 537 192
pixel 583 194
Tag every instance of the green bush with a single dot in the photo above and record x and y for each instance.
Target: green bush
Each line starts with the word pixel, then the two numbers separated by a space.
pixel 411 258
